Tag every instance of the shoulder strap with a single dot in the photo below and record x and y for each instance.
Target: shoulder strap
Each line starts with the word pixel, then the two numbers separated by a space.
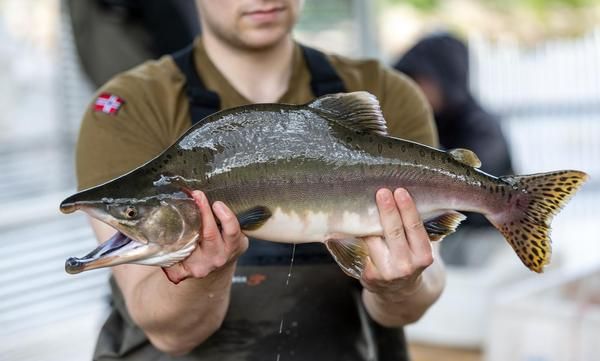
pixel 324 79
pixel 203 102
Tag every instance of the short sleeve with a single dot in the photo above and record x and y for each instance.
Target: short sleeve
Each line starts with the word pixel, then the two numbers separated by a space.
pixel 406 109
pixel 112 144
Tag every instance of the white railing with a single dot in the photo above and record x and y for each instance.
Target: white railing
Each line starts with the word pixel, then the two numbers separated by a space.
pixel 549 99
pixel 558 76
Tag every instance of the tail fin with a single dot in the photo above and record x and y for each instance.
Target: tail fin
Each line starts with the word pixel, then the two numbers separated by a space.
pixel 526 224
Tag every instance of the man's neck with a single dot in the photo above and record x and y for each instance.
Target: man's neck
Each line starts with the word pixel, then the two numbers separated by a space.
pixel 261 76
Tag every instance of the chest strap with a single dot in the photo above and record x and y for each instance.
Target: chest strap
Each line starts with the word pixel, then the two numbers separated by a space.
pixel 323 77
pixel 203 102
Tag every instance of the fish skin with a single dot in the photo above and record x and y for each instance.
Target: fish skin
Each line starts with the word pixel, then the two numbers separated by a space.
pixel 315 168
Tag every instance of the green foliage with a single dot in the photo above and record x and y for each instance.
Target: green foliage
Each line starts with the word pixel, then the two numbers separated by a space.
pixel 542 5
pixel 539 5
pixel 423 5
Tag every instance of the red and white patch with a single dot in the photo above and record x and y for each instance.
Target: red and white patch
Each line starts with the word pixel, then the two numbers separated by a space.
pixel 108 103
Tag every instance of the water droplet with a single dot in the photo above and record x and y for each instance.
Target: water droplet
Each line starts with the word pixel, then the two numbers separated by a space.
pixel 287 281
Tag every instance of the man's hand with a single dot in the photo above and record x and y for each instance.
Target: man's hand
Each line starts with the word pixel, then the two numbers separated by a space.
pixel 396 261
pixel 397 288
pixel 216 249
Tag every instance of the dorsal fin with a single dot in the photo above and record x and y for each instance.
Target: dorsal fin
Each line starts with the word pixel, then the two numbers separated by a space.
pixel 465 156
pixel 358 111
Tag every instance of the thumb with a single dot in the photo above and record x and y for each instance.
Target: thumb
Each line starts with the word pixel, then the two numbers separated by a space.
pixel 176 273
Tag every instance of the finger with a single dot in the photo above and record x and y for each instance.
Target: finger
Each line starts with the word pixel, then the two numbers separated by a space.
pixel 176 273
pixel 230 227
pixel 416 236
pixel 370 276
pixel 210 243
pixel 210 231
pixel 379 258
pixel 393 228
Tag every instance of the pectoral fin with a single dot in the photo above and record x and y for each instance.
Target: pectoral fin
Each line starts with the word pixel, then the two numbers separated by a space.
pixel 443 225
pixel 253 218
pixel 350 254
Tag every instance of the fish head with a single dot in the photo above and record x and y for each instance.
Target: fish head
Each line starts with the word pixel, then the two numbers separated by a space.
pixel 157 227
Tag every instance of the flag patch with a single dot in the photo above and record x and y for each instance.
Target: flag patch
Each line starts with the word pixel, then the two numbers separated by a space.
pixel 108 103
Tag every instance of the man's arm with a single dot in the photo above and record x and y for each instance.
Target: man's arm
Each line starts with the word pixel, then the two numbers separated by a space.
pixel 402 278
pixel 178 317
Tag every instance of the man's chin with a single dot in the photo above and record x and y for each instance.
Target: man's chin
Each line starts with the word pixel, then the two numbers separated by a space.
pixel 264 38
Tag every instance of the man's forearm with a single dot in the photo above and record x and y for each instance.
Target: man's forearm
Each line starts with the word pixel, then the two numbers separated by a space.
pixel 392 311
pixel 177 318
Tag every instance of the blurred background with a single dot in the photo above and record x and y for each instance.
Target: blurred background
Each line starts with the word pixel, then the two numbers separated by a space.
pixel 534 66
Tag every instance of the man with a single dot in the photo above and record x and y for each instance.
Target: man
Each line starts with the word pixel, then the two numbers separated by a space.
pixel 232 300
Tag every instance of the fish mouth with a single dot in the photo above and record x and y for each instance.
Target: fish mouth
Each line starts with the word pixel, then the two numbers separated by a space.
pixel 116 250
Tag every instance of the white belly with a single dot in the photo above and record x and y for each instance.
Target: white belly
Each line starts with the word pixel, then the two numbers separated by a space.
pixel 318 226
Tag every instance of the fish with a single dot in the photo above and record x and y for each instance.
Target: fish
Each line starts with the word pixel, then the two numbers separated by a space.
pixel 309 173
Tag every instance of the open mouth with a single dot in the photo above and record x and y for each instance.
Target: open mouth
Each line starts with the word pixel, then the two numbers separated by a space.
pixel 116 250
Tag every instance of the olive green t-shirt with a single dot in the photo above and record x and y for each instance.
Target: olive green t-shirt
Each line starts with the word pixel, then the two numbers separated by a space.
pixel 319 315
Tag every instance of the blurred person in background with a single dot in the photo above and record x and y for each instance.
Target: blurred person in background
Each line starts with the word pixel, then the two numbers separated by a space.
pixel 229 300
pixel 439 64
pixel 112 36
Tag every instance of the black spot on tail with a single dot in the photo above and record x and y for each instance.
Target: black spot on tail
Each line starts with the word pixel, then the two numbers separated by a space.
pixel 526 223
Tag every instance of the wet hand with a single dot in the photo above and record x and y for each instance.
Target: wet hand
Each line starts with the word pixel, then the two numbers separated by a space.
pixel 396 261
pixel 217 249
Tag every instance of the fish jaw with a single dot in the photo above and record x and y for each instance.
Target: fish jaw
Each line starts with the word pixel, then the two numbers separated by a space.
pixel 73 204
pixel 116 250
pixel 120 249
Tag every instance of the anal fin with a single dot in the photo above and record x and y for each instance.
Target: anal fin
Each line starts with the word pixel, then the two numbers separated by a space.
pixel 253 218
pixel 350 254
pixel 443 225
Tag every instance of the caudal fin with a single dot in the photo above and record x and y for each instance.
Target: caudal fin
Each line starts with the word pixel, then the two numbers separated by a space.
pixel 526 224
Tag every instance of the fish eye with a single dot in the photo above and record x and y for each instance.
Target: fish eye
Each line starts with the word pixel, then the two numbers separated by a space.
pixel 130 212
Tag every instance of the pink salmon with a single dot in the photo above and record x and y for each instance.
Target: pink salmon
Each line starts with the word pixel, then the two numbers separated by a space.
pixel 309 173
